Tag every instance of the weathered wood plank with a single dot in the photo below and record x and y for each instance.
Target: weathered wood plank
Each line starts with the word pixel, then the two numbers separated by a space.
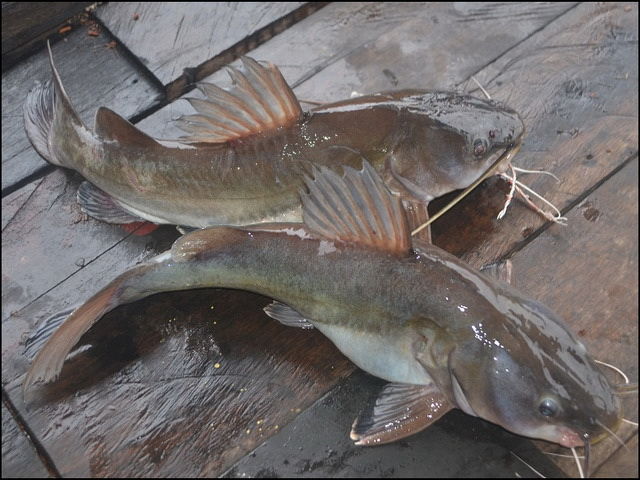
pixel 435 52
pixel 169 37
pixel 11 204
pixel 19 457
pixel 237 384
pixel 93 74
pixel 623 464
pixel 317 444
pixel 26 24
pixel 365 31
pixel 47 240
pixel 573 84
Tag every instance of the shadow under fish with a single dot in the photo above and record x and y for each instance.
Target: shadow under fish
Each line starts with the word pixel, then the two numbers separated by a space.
pixel 444 335
pixel 248 149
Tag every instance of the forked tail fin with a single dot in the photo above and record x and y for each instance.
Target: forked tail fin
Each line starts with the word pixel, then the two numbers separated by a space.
pixel 48 363
pixel 47 110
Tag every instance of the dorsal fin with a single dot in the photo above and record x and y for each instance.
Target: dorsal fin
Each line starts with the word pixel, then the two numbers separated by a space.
pixel 110 126
pixel 357 208
pixel 259 101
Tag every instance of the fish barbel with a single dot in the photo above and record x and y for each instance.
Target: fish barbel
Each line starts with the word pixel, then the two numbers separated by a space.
pixel 404 310
pixel 248 148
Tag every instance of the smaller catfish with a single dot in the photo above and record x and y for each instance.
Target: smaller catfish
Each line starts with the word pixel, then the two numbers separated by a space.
pixel 444 335
pixel 248 148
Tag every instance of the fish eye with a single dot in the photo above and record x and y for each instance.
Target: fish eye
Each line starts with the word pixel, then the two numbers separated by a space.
pixel 479 148
pixel 548 407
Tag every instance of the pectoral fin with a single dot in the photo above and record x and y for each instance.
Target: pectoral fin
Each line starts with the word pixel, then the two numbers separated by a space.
pixel 355 208
pixel 259 101
pixel 399 411
pixel 286 315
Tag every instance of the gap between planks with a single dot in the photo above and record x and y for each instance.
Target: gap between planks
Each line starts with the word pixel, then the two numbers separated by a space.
pixel 41 451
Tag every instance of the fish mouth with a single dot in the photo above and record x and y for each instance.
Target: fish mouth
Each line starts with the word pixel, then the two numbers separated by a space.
pixel 501 158
pixel 570 438
pixel 505 156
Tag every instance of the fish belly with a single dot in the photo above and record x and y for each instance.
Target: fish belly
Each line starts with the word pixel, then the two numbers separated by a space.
pixel 388 358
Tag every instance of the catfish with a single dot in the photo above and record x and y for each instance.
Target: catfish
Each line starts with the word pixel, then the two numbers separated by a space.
pixel 443 334
pixel 247 149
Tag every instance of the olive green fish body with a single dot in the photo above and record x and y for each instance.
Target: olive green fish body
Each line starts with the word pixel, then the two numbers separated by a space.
pixel 444 334
pixel 249 149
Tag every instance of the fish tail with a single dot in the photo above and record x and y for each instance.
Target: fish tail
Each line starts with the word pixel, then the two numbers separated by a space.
pixel 128 287
pixel 47 111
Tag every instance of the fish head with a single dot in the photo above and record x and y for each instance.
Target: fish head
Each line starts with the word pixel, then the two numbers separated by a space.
pixel 533 377
pixel 447 141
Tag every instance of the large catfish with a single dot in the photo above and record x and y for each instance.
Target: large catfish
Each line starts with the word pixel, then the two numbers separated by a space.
pixel 444 334
pixel 248 149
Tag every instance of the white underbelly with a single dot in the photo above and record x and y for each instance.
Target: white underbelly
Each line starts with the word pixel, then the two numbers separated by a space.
pixel 389 359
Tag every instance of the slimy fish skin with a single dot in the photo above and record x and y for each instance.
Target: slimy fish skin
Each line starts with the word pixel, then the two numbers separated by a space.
pixel 247 149
pixel 445 335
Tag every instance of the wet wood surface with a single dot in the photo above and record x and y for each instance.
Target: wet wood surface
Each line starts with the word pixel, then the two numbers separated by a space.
pixel 19 457
pixel 191 382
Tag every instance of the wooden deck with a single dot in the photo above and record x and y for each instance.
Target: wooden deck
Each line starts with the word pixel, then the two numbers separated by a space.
pixel 202 383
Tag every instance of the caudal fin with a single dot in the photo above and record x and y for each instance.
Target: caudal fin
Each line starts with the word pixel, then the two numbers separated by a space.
pixel 48 363
pixel 47 110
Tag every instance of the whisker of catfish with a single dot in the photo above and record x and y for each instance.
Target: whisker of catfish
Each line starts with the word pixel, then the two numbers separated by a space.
pixel 544 172
pixel 512 180
pixel 624 389
pixel 575 455
pixel 536 194
pixel 612 434
pixel 614 368
pixel 562 455
pixel 635 424
pixel 481 87
pixel 587 456
pixel 532 469
pixel 556 219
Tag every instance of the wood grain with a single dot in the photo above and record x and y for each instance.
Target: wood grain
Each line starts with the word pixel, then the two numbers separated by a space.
pixel 11 204
pixel 93 75
pixel 434 51
pixel 169 37
pixel 623 463
pixel 365 31
pixel 48 229
pixel 19 457
pixel 191 380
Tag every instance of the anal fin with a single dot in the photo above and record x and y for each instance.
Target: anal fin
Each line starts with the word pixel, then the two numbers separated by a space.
pixel 286 315
pixel 101 206
pixel 399 410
